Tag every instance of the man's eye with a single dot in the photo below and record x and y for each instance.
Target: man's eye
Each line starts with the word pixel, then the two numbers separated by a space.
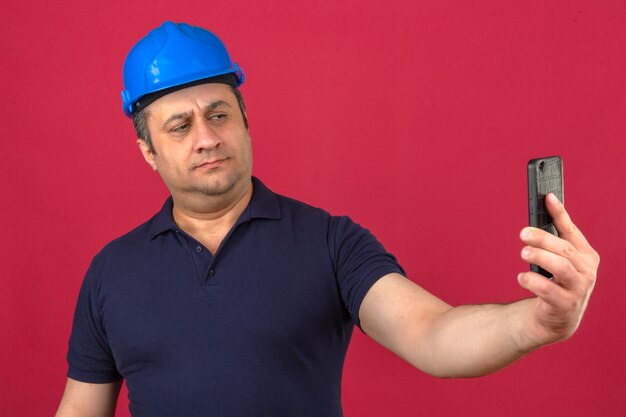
pixel 181 128
pixel 217 116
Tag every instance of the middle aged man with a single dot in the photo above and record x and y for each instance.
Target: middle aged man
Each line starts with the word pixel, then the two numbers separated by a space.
pixel 235 301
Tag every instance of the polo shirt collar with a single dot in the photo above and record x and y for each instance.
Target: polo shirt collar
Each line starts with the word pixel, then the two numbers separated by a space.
pixel 264 204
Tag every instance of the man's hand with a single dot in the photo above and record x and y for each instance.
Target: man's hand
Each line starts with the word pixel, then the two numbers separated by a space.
pixel 560 302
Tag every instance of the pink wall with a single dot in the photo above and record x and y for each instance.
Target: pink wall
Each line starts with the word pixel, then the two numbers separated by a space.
pixel 414 117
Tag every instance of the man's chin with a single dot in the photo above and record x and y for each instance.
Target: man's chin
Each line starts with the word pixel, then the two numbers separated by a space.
pixel 214 188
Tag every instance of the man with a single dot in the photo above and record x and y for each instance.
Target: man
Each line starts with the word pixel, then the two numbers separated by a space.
pixel 235 301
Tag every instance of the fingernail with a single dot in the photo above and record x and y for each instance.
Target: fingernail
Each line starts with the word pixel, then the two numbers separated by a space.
pixel 520 277
pixel 553 198
pixel 526 233
pixel 525 252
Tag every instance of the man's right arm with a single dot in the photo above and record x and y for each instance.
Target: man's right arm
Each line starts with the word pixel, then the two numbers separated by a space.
pixel 470 341
pixel 82 399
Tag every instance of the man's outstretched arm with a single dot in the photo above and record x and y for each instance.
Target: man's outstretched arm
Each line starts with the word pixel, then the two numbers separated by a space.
pixel 475 340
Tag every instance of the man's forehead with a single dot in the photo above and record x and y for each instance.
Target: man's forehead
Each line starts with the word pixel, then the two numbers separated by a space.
pixel 193 98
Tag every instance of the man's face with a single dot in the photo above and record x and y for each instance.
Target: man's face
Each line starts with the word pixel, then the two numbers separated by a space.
pixel 201 145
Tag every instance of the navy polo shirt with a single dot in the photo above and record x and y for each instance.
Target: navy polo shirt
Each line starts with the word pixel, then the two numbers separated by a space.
pixel 261 328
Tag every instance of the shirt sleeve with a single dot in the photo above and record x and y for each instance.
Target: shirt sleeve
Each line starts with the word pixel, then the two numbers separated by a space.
pixel 359 261
pixel 89 356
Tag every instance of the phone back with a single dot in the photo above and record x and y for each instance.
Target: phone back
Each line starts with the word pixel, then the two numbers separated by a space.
pixel 545 175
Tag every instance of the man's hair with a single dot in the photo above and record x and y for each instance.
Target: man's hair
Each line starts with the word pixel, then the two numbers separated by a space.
pixel 140 120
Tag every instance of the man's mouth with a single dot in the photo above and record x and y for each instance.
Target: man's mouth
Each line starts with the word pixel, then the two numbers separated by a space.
pixel 212 163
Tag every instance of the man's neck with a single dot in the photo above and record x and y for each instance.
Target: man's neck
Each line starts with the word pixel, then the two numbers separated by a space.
pixel 208 219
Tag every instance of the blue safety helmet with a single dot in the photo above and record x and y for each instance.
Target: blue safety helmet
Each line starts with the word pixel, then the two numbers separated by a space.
pixel 171 57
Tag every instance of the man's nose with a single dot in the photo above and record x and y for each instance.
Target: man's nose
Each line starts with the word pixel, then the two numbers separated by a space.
pixel 205 137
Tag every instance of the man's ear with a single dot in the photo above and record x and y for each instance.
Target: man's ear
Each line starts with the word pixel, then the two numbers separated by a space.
pixel 147 153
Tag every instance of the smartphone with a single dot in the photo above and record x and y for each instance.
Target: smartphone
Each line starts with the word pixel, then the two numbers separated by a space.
pixel 545 175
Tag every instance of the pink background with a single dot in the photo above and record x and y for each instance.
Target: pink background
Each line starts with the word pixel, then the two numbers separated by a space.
pixel 416 118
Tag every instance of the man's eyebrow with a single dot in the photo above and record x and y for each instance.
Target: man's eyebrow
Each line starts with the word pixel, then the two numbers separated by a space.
pixel 176 116
pixel 215 104
pixel 186 114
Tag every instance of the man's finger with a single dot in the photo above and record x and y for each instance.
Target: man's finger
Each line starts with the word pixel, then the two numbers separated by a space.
pixel 540 239
pixel 558 265
pixel 547 290
pixel 564 225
